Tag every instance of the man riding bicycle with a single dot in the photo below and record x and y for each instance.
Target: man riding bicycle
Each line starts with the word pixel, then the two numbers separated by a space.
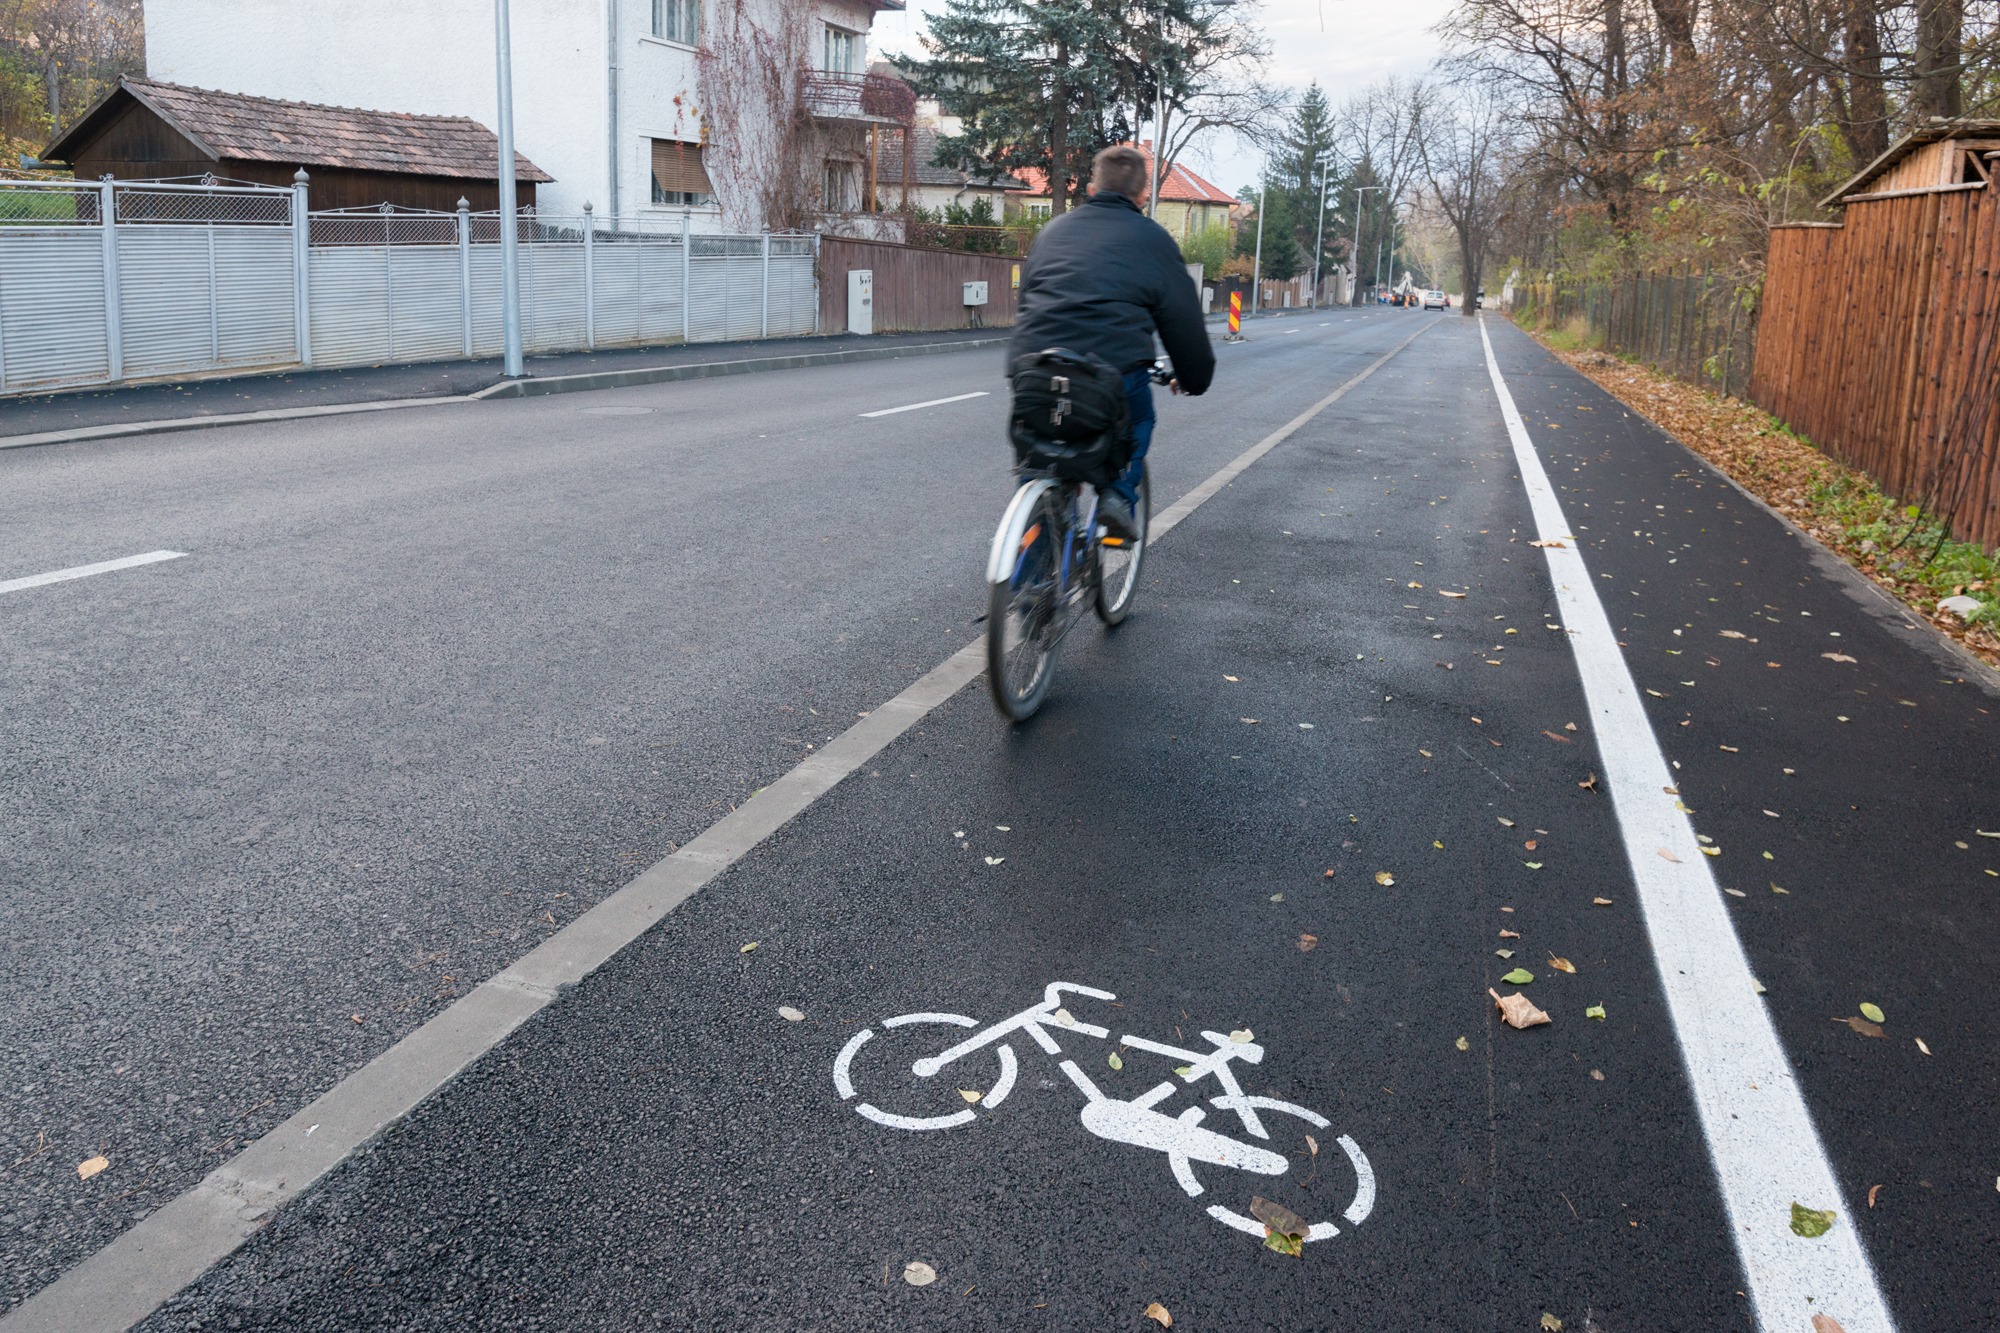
pixel 1100 281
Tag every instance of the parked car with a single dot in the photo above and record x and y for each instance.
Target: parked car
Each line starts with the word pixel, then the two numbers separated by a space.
pixel 1436 300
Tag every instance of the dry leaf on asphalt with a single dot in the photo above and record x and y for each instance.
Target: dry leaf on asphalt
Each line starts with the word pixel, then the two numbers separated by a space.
pixel 1862 1025
pixel 1826 1323
pixel 1503 953
pixel 1312 1145
pixel 1595 1011
pixel 1601 902
pixel 1836 657
pixel 790 1015
pixel 970 1094
pixel 919 1274
pixel 1558 546
pixel 1505 823
pixel 1517 1011
pixel 1158 1314
pixel 748 947
pixel 1113 1060
pixel 1666 855
pixel 1384 878
pixel 1589 783
pixel 1872 1013
pixel 995 860
pixel 1307 943
pixel 1873 1190
pixel 1562 964
pixel 1242 1036
pixel 1557 736
pixel 1520 976
pixel 1463 1044
pixel 1284 1230
pixel 1510 934
pixel 1064 1017
pixel 1551 1324
pixel 85 1170
pixel 1920 1046
pixel 1443 593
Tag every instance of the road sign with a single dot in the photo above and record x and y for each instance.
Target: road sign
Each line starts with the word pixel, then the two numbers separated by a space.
pixel 1236 314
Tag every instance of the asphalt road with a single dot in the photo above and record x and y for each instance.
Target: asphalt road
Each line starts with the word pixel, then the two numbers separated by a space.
pixel 428 684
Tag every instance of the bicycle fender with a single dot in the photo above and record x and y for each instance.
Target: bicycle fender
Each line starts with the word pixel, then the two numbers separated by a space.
pixel 1007 537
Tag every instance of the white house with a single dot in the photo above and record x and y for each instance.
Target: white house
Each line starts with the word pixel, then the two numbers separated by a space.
pixel 646 109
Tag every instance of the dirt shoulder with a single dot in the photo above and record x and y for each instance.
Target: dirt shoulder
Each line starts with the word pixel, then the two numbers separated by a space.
pixel 1906 553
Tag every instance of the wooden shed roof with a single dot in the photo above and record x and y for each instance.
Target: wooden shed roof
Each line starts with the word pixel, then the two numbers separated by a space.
pixel 267 129
pixel 1935 131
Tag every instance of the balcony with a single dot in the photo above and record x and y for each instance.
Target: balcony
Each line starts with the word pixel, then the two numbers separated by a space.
pixel 866 99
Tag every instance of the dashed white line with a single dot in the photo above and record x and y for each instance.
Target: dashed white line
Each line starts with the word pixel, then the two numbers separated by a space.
pixel 931 402
pixel 85 571
pixel 1761 1140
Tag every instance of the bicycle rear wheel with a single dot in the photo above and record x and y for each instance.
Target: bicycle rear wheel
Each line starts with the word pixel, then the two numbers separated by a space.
pixel 1118 561
pixel 1021 617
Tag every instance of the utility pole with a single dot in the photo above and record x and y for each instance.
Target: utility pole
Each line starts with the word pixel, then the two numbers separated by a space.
pixel 1319 241
pixel 1257 264
pixel 1159 112
pixel 510 241
pixel 1354 255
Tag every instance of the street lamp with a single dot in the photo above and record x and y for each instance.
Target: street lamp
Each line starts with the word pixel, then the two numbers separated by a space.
pixel 510 252
pixel 1354 255
pixel 1257 264
pixel 1319 239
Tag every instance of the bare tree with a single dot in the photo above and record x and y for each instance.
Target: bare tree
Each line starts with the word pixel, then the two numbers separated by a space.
pixel 1463 142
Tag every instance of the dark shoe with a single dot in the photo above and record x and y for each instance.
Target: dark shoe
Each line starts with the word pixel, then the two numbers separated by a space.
pixel 1115 512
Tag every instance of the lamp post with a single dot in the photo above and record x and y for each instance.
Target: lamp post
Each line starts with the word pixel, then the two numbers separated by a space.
pixel 1257 264
pixel 1319 240
pixel 1354 255
pixel 510 251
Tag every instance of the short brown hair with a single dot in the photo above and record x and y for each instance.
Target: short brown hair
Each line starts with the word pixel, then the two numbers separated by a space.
pixel 1119 169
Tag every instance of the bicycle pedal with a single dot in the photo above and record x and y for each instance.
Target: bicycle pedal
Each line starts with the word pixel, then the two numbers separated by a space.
pixel 1111 541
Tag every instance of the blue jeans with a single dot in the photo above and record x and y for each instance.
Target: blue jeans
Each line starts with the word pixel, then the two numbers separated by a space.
pixel 1139 400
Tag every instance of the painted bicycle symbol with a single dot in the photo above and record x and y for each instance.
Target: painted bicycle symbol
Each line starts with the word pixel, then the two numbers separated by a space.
pixel 1183 1138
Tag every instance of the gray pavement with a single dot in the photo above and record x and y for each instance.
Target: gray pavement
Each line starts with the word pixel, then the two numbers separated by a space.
pixel 429 684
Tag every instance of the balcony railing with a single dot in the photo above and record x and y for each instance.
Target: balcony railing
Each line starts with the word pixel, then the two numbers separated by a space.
pixel 869 98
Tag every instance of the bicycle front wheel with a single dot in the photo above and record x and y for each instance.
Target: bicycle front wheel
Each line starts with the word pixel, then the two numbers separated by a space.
pixel 1118 560
pixel 1021 614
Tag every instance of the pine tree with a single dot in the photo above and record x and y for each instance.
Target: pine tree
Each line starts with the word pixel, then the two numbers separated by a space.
pixel 1037 83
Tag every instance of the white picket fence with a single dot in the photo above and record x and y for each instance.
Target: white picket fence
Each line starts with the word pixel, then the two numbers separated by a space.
pixel 116 281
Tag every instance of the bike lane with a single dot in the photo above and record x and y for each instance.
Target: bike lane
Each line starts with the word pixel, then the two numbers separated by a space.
pixel 1295 694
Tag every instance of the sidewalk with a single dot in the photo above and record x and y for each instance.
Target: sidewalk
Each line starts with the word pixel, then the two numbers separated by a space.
pixel 292 390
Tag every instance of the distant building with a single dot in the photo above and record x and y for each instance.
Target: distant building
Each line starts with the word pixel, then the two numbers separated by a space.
pixel 933 186
pixel 1187 203
pixel 144 129
pixel 736 114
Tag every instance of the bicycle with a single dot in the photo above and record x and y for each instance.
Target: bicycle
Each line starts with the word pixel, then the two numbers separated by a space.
pixel 1049 554
pixel 1183 1138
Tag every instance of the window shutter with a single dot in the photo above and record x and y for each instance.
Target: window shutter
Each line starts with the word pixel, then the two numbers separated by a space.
pixel 677 166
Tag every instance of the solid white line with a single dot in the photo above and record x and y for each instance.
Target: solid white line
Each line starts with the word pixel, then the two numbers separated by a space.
pixel 156 1257
pixel 1760 1135
pixel 934 402
pixel 85 571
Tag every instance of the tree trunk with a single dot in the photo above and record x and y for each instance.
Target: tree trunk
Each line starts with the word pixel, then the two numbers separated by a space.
pixel 53 72
pixel 1617 121
pixel 1059 136
pixel 1940 48
pixel 1677 23
pixel 1867 126
pixel 1468 264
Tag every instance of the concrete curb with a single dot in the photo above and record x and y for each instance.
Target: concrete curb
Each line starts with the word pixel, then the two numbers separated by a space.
pixel 524 388
pixel 701 370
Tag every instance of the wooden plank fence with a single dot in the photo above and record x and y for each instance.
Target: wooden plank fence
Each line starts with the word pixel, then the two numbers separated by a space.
pixel 915 288
pixel 1881 344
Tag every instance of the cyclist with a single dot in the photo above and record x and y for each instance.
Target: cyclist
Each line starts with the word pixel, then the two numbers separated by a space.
pixel 1100 281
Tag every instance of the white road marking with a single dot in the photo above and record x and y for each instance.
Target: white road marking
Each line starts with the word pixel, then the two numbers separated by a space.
pixel 151 1261
pixel 1760 1135
pixel 933 402
pixel 85 571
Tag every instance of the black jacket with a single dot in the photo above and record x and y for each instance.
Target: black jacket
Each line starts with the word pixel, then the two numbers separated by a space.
pixel 1100 280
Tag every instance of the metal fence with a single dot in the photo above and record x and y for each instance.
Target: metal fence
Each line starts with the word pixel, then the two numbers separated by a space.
pixel 106 282
pixel 1695 325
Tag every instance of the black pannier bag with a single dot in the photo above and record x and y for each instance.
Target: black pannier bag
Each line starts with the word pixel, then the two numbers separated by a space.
pixel 1070 417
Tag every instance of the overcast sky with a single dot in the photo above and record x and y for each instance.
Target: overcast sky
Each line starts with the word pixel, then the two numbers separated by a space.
pixel 1345 44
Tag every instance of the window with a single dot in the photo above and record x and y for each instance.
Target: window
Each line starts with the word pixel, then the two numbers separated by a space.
pixel 842 50
pixel 678 21
pixel 679 177
pixel 1040 210
pixel 842 187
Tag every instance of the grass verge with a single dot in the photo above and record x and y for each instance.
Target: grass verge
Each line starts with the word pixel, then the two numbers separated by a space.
pixel 1901 548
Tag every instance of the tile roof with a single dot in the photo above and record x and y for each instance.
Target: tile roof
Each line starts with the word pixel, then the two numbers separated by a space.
pixel 1181 185
pixel 265 129
pixel 925 171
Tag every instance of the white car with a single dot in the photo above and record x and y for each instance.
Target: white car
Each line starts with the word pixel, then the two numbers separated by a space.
pixel 1435 300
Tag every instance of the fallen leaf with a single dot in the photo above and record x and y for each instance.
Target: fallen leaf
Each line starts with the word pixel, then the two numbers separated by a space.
pixel 85 1170
pixel 1463 1044
pixel 1873 1190
pixel 1729 749
pixel 1826 1323
pixel 790 1015
pixel 1510 934
pixel 1307 943
pixel 1532 865
pixel 1517 1011
pixel 1158 1314
pixel 1505 823
pixel 1666 855
pixel 919 1274
pixel 1284 1230
pixel 1503 953
pixel 1384 878
pixel 1004 828
pixel 1872 1013
pixel 1064 1017
pixel 1113 1060
pixel 1557 736
pixel 1774 814
pixel 1735 893
pixel 1569 726
pixel 1520 976
pixel 1530 844
pixel 1811 1222
pixel 748 947
pixel 1328 874
pixel 1551 1324
pixel 1562 965
pixel 1183 1070
pixel 1861 1025
pixel 1242 1036
pixel 970 1094
pixel 1920 1046
pixel 1836 657
pixel 1557 546
pixel 1425 753
pixel 1230 679
pixel 1443 593
pixel 1734 634
pixel 995 860
pixel 1595 1011
pixel 1711 851
pixel 1248 721
pixel 1277 897
pixel 1601 902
